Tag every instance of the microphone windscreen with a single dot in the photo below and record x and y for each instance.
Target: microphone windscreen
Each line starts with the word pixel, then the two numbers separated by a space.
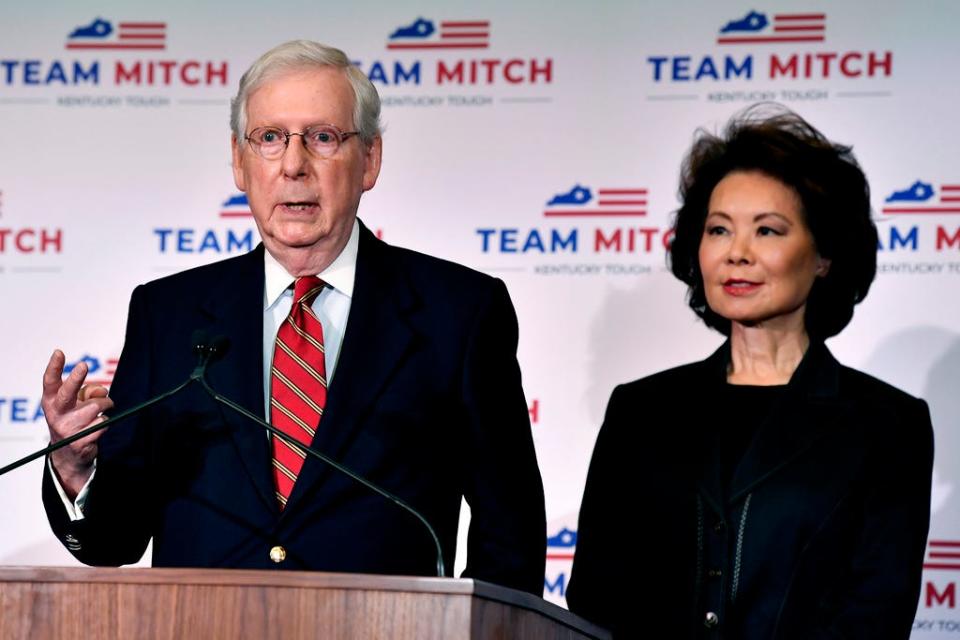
pixel 219 346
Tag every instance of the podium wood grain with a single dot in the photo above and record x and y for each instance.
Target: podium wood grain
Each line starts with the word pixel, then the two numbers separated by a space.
pixel 90 604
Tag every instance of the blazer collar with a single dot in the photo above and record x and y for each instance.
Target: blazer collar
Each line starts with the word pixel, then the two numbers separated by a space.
pixel 810 408
pixel 235 310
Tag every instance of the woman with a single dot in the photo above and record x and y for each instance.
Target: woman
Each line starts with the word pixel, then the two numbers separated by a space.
pixel 768 491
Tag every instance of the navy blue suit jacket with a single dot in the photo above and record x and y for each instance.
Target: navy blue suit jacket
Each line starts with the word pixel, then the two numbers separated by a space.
pixel 426 401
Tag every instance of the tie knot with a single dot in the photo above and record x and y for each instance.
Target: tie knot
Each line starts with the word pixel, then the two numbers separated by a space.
pixel 306 288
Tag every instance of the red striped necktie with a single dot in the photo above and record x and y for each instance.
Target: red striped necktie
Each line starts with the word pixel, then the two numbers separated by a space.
pixel 298 385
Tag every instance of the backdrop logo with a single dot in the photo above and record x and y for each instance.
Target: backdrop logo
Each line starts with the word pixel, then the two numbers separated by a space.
pixel 99 371
pixel 920 218
pixel 561 547
pixel 581 201
pixel 758 28
pixel 452 34
pixel 588 221
pixel 136 62
pixel 770 46
pixel 102 34
pixel 236 206
pixel 210 240
pixel 920 198
pixel 458 58
pixel 942 555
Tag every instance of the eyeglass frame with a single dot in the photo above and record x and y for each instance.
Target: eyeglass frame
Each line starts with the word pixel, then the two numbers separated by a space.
pixel 341 137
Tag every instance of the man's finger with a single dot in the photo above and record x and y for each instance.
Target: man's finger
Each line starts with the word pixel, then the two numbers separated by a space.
pixel 67 395
pixel 89 391
pixel 52 376
pixel 80 418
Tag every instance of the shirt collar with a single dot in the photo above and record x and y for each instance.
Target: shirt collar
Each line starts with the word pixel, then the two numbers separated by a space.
pixel 340 274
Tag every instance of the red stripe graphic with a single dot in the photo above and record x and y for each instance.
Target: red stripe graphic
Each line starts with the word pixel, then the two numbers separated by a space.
pixel 141 36
pixel 143 25
pixel 115 46
pixel 559 556
pixel 944 543
pixel 619 202
pixel 799 28
pixel 236 214
pixel 440 45
pixel 594 213
pixel 950 187
pixel 465 24
pixel 621 192
pixel 800 16
pixel 465 34
pixel 943 554
pixel 922 210
pixel 764 39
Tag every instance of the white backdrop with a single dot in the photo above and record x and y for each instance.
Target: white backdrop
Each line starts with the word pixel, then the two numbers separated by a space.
pixel 114 170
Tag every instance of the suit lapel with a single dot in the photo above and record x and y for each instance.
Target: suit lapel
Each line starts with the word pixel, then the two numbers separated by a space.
pixel 809 409
pixel 236 311
pixel 710 378
pixel 378 335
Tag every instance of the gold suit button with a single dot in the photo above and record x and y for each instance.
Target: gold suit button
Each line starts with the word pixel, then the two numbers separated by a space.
pixel 711 620
pixel 278 554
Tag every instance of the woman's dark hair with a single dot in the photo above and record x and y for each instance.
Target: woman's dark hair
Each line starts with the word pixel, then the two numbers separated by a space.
pixel 833 191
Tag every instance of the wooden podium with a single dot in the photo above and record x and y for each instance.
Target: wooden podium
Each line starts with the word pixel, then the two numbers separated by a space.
pixel 90 604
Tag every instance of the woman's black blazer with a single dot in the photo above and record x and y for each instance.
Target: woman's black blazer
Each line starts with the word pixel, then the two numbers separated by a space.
pixel 821 533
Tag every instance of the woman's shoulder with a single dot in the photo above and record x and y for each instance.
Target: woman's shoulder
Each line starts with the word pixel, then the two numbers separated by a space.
pixel 860 386
pixel 663 385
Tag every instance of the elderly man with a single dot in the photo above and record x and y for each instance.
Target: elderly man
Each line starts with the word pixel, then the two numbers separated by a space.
pixel 400 365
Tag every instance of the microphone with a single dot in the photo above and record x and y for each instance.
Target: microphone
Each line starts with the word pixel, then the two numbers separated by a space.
pixel 205 352
pixel 215 348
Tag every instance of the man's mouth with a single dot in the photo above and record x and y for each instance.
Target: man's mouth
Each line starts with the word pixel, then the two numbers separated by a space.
pixel 298 205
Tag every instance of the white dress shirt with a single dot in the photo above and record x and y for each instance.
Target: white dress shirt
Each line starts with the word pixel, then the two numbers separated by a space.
pixel 332 307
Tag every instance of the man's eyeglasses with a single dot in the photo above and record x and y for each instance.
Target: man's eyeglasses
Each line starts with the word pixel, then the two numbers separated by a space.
pixel 322 140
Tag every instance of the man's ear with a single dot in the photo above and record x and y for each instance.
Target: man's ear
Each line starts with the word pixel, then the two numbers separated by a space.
pixel 371 163
pixel 239 178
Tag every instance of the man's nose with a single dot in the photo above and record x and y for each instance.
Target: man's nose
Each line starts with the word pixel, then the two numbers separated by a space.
pixel 295 159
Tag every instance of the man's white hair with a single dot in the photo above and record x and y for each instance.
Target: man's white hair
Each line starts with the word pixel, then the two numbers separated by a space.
pixel 305 54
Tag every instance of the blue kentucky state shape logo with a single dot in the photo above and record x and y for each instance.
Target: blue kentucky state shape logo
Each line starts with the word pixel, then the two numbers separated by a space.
pixel 238 200
pixel 99 28
pixel 564 538
pixel 578 195
pixel 420 28
pixel 753 21
pixel 93 364
pixel 917 192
